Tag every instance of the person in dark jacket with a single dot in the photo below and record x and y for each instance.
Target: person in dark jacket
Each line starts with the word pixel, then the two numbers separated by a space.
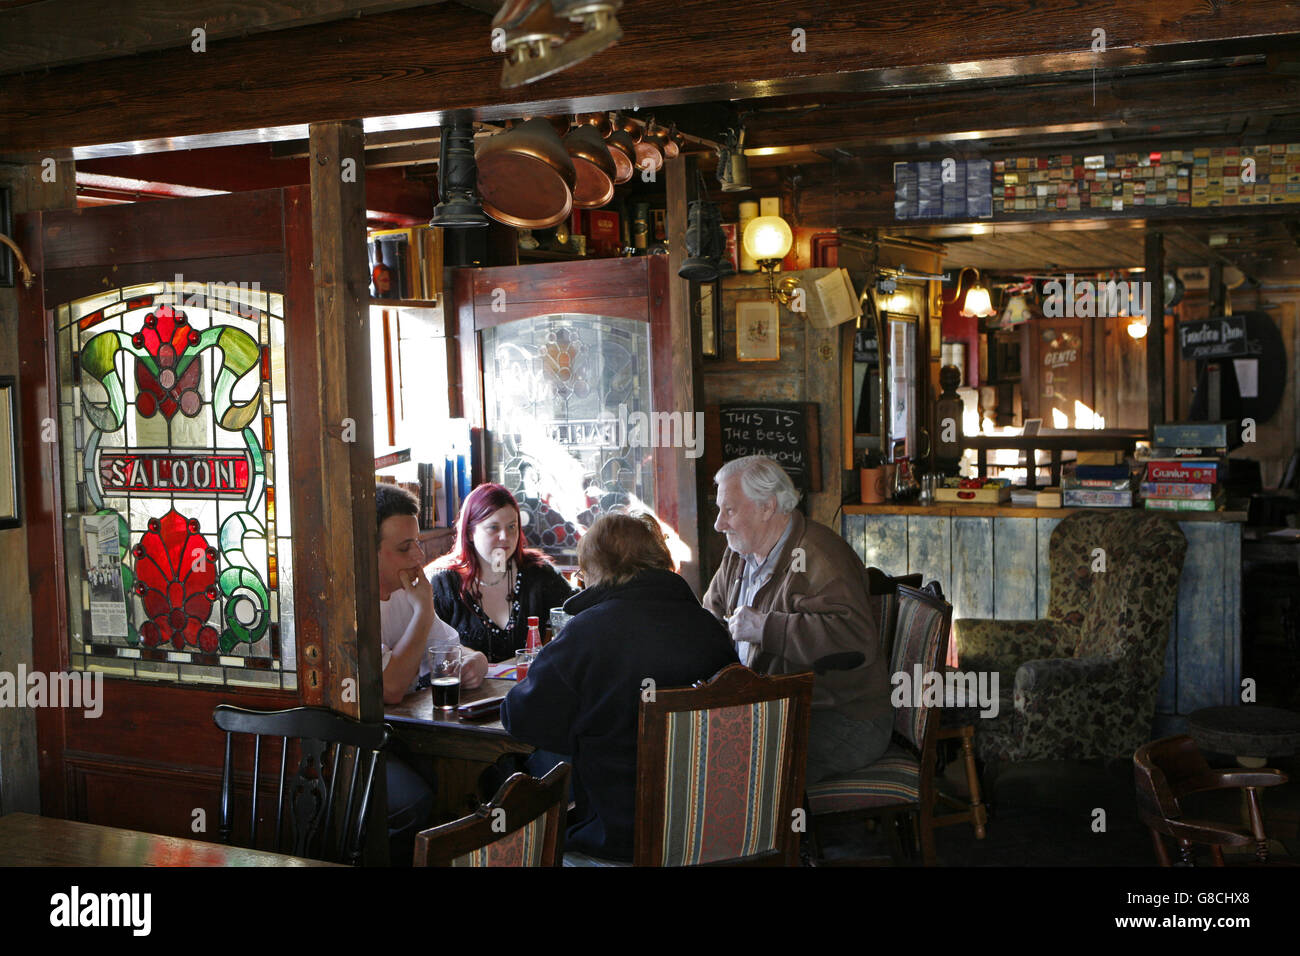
pixel 489 584
pixel 636 620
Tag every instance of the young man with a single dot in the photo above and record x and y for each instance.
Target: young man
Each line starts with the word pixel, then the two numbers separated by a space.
pixel 407 628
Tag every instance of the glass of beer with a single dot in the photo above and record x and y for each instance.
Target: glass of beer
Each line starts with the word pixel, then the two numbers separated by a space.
pixel 523 661
pixel 445 675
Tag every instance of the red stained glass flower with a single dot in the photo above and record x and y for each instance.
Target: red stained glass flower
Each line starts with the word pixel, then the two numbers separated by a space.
pixel 165 335
pixel 175 577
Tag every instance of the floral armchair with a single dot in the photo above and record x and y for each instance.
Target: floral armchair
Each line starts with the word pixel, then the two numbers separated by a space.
pixel 1081 682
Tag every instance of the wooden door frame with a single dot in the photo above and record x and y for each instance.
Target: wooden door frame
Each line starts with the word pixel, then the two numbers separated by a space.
pixel 632 288
pixel 260 234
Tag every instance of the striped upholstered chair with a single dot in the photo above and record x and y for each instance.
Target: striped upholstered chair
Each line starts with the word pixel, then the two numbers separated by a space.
pixel 902 780
pixel 720 771
pixel 523 825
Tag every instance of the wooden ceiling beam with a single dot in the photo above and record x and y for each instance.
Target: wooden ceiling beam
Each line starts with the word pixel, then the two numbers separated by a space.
pixel 438 58
pixel 54 33
pixel 1058 108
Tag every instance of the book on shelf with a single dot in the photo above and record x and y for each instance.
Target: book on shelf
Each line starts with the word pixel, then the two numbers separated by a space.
pixel 1187 451
pixel 1101 472
pixel 1102 484
pixel 1182 504
pixel 393 458
pixel 1194 471
pixel 1199 434
pixel 1178 489
pixel 1096 498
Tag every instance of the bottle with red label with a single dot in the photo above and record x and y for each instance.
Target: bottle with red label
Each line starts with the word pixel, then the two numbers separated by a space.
pixel 534 636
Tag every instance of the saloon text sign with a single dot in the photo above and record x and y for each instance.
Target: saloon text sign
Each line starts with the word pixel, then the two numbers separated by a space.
pixel 1215 338
pixel 196 472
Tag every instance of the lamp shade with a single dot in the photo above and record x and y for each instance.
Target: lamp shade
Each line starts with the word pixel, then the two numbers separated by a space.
pixel 977 302
pixel 768 237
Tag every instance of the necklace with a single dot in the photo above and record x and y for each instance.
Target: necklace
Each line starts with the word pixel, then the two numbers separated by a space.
pixel 491 584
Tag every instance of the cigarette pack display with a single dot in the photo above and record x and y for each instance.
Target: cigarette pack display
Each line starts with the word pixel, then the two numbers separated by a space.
pixel 1176 489
pixel 1096 498
pixel 1200 471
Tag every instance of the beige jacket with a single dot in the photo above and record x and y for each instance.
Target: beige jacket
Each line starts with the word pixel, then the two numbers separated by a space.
pixel 819 618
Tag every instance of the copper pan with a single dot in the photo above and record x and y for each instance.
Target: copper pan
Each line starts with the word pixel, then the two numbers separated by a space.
pixel 594 165
pixel 525 176
pixel 622 147
pixel 648 155
pixel 659 137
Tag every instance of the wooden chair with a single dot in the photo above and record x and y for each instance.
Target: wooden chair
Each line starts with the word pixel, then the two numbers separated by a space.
pixel 326 746
pixel 720 770
pixel 523 825
pixel 901 782
pixel 1166 771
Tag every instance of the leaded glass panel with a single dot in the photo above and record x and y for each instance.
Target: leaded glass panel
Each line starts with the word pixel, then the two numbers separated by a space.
pixel 561 391
pixel 173 427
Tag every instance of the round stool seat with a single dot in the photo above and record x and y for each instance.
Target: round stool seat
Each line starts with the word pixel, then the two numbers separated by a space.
pixel 1246 730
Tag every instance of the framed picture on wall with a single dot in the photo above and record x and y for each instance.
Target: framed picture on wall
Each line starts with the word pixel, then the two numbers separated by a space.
pixel 758 331
pixel 707 304
pixel 6 228
pixel 10 500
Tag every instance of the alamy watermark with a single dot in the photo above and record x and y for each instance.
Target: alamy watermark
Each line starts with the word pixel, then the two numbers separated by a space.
pixel 948 689
pixel 194 295
pixel 1087 298
pixel 635 430
pixel 76 690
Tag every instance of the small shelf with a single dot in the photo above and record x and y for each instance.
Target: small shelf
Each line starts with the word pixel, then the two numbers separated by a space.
pixel 551 255
pixel 428 311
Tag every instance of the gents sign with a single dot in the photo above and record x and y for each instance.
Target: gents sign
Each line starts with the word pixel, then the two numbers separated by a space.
pixel 1215 338
pixel 201 472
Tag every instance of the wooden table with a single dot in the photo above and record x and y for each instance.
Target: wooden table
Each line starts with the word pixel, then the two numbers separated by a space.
pixel 27 840
pixel 461 749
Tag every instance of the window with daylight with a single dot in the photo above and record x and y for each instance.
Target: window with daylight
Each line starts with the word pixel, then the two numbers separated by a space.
pixel 564 394
pixel 175 474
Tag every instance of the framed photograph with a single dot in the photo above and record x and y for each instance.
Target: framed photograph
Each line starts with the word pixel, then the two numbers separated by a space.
pixel 758 331
pixel 10 500
pixel 706 303
pixel 7 263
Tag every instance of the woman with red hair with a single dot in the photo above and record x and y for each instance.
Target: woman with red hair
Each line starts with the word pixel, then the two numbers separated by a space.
pixel 489 584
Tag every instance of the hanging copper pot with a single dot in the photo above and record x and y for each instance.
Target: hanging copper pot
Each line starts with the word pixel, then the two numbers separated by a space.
pixel 649 157
pixel 622 146
pixel 594 165
pixel 525 176
pixel 598 120
pixel 672 144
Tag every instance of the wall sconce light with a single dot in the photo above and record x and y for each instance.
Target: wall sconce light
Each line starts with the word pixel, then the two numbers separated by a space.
pixel 977 303
pixel 768 239
pixel 1137 327
pixel 534 36
pixel 27 274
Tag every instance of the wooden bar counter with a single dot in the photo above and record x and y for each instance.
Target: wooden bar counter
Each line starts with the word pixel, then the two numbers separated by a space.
pixel 992 562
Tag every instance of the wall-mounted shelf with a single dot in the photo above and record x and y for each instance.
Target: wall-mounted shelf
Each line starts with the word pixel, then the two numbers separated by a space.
pixel 428 311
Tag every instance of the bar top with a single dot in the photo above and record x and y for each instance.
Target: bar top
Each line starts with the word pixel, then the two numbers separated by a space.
pixel 953 510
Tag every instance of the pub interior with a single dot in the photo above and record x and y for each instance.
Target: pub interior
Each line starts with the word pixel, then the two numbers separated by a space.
pixel 281 292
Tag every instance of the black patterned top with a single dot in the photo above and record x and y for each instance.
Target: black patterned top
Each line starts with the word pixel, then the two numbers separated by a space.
pixel 536 590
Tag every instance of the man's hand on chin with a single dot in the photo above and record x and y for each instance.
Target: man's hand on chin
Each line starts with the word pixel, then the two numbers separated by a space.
pixel 473 669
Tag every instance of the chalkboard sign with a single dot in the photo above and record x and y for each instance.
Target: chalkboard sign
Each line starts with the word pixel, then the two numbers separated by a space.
pixel 786 432
pixel 1221 337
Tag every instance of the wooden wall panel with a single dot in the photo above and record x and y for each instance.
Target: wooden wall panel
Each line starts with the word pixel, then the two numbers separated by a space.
pixel 1045 527
pixel 1015 583
pixel 972 582
pixel 929 550
pixel 884 543
pixel 1202 657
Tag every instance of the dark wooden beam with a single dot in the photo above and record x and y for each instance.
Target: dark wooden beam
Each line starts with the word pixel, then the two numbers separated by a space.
pixel 673 51
pixel 350 610
pixel 1040 108
pixel 1155 337
pixel 53 33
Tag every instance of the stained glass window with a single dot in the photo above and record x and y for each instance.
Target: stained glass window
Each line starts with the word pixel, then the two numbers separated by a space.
pixel 175 470
pixel 564 393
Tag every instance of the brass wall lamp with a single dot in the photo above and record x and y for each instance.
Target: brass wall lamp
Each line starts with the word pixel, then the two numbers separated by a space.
pixel 536 35
pixel 28 276
pixel 768 239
